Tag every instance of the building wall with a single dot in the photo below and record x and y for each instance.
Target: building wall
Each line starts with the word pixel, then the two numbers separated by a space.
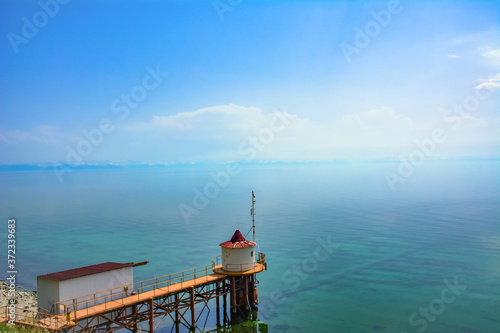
pixel 47 293
pixel 237 260
pixel 85 285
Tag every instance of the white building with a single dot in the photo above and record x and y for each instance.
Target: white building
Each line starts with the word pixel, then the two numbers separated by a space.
pixel 238 254
pixel 73 286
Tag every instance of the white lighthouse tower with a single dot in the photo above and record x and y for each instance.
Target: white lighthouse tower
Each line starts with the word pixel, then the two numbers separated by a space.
pixel 238 254
pixel 238 265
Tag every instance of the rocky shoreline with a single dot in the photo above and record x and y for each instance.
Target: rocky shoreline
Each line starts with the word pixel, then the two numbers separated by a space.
pixel 25 299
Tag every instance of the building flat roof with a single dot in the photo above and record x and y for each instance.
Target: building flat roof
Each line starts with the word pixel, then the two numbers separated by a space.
pixel 84 271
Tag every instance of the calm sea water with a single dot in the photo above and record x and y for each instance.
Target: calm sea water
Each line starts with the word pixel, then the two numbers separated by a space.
pixel 387 266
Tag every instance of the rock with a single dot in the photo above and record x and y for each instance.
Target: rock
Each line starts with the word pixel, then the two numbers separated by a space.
pixel 23 297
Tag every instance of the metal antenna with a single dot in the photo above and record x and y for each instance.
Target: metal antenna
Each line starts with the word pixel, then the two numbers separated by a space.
pixel 252 213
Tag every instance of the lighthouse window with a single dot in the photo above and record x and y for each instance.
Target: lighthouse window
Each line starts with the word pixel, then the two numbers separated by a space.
pixel 251 254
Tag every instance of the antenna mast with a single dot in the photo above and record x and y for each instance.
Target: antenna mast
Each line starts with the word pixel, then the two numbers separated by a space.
pixel 252 213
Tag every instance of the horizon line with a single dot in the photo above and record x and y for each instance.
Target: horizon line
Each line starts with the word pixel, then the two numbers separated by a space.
pixel 132 164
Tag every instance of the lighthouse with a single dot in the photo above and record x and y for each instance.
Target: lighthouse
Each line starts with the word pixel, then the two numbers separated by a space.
pixel 237 262
pixel 238 254
pixel 239 265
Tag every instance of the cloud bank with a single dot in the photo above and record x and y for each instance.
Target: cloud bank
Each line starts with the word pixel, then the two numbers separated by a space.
pixel 234 132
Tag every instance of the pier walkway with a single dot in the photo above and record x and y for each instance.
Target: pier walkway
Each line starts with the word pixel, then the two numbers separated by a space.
pixel 127 306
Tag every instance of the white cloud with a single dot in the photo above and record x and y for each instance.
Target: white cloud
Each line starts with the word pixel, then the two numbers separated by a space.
pixel 490 83
pixel 40 134
pixel 452 56
pixel 488 52
pixel 224 128
pixel 248 120
pixel 223 116
pixel 472 38
pixel 390 118
pixel 384 120
pixel 218 133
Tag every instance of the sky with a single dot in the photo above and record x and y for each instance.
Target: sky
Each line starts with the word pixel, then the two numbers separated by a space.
pixel 224 80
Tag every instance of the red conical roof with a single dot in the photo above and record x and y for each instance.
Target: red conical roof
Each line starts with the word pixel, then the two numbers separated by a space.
pixel 237 241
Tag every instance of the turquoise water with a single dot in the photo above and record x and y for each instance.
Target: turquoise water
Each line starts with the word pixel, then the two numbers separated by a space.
pixel 388 255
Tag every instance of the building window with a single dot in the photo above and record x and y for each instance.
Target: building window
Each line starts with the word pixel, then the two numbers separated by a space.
pixel 251 254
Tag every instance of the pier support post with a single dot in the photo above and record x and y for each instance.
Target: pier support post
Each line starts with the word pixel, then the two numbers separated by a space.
pixel 251 287
pixel 134 316
pixel 177 319
pixel 151 316
pixel 233 293
pixel 217 304
pixel 224 302
pixel 246 282
pixel 193 313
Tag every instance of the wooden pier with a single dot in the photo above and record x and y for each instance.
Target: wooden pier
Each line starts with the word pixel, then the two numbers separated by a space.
pixel 175 296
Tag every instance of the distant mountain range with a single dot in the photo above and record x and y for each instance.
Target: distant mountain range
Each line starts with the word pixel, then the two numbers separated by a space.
pixel 103 165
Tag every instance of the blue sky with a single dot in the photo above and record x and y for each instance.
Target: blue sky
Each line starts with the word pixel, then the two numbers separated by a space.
pixel 192 81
